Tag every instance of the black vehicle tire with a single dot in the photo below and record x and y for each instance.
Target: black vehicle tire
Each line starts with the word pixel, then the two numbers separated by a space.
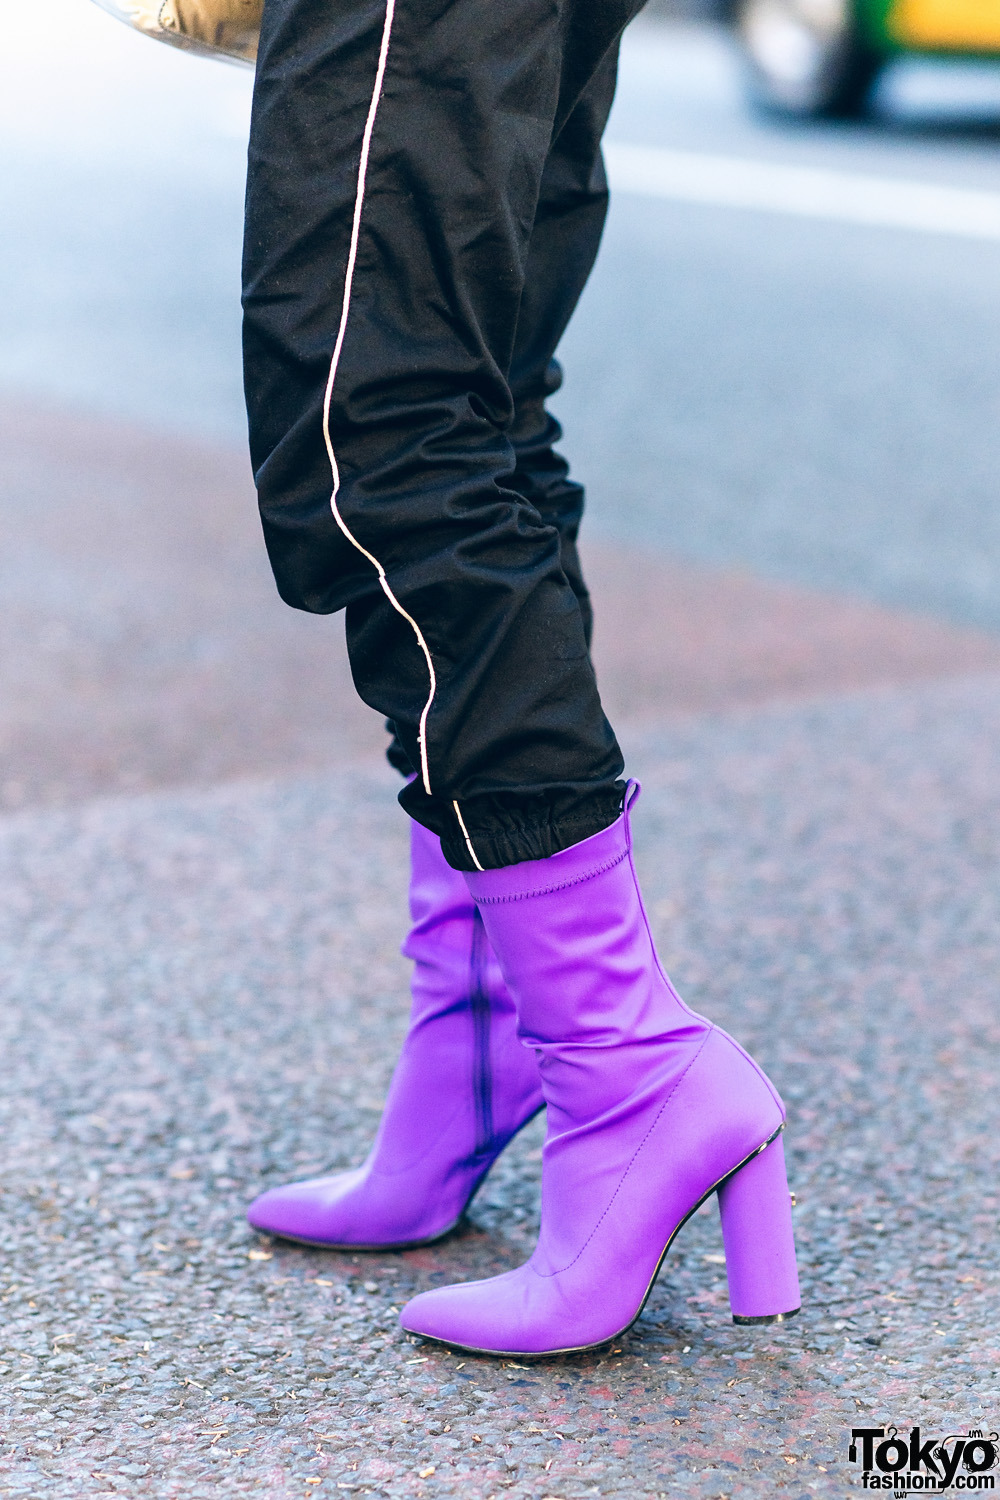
pixel 806 58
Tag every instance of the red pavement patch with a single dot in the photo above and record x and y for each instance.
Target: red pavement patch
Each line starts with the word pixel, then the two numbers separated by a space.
pixel 145 644
pixel 675 637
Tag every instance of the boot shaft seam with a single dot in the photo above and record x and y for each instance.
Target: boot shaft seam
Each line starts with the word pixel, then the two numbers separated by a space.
pixel 634 1157
pixel 548 890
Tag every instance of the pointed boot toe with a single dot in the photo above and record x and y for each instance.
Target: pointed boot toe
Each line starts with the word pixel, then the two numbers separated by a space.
pixel 463 1316
pixel 521 1314
pixel 305 1211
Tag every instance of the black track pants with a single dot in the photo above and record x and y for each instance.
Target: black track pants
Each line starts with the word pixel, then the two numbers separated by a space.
pixel 425 202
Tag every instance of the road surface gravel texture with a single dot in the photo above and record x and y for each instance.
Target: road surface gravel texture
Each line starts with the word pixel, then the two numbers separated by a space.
pixel 202 995
pixel 202 868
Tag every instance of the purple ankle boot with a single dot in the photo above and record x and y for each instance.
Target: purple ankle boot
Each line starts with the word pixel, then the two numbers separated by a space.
pixel 463 1087
pixel 651 1109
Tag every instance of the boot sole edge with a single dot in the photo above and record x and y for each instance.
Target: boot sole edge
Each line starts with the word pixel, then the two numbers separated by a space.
pixel 530 1354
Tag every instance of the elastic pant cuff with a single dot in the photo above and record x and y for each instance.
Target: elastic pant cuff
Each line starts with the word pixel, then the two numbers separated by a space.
pixel 507 830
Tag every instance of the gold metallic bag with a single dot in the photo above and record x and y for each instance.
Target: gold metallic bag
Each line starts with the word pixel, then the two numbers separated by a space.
pixel 215 28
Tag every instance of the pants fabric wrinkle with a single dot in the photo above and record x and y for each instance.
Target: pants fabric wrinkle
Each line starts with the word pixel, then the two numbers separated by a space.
pixel 483 211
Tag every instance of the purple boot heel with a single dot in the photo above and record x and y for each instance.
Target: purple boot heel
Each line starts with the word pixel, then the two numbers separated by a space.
pixel 756 1210
pixel 462 1089
pixel 651 1109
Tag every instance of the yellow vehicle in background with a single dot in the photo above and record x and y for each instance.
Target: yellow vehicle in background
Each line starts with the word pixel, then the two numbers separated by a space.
pixel 821 57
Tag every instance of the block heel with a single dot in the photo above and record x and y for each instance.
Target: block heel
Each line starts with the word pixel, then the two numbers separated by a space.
pixel 756 1211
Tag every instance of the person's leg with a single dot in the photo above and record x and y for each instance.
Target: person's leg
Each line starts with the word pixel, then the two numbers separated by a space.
pixel 464 1085
pixel 462 625
pixel 431 1149
pixel 650 1107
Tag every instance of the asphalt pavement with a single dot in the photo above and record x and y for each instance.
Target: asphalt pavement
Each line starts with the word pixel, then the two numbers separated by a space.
pixel 202 996
pixel 202 864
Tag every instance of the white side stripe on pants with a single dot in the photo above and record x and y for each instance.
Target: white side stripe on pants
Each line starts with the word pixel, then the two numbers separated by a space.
pixel 465 835
pixel 359 200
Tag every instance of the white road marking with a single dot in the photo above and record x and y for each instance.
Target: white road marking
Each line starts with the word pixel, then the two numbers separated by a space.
pixel 806 192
